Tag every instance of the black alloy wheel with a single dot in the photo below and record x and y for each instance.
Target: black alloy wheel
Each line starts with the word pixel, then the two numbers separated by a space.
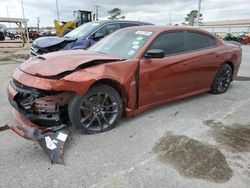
pixel 97 111
pixel 222 80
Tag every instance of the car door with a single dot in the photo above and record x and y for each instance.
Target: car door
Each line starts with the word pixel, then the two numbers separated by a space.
pixel 202 60
pixel 103 31
pixel 163 78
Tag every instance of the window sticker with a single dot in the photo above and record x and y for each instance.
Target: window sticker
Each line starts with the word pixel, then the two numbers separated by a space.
pixel 147 33
pixel 139 38
pixel 135 47
pixel 131 52
pixel 136 42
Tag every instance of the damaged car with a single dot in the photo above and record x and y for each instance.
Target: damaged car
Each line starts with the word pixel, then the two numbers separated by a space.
pixel 81 37
pixel 126 73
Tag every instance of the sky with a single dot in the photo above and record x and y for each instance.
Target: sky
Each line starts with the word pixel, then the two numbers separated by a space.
pixel 159 12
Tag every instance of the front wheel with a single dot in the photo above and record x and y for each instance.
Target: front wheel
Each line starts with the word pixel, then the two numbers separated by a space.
pixel 222 79
pixel 97 111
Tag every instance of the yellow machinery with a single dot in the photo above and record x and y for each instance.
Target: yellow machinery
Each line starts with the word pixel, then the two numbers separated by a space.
pixel 81 17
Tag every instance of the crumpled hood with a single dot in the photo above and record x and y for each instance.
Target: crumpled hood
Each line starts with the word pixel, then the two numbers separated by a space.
pixel 55 63
pixel 44 42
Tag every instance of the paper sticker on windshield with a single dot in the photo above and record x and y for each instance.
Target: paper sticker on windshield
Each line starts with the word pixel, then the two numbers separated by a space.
pixel 135 47
pixel 147 33
pixel 136 42
pixel 131 52
pixel 139 38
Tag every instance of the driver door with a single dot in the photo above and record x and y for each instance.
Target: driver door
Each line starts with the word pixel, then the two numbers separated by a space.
pixel 163 78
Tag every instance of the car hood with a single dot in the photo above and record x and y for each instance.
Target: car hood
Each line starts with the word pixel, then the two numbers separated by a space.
pixel 55 63
pixel 44 42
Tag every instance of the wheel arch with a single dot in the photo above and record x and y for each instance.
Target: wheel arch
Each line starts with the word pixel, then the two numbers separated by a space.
pixel 231 65
pixel 116 85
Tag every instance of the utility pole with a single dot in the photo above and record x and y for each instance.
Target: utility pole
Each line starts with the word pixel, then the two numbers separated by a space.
pixel 96 11
pixel 169 18
pixel 57 10
pixel 22 9
pixel 7 10
pixel 38 23
pixel 198 15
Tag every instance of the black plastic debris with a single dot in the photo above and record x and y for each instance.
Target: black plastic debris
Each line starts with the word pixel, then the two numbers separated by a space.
pixel 52 140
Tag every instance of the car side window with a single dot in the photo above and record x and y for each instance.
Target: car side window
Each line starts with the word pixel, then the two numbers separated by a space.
pixel 211 42
pixel 170 43
pixel 196 41
pixel 108 29
pixel 124 25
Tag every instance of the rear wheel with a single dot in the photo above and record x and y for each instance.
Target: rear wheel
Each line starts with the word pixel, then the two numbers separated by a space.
pixel 222 79
pixel 97 111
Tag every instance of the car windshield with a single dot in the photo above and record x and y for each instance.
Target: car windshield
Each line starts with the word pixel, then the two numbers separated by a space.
pixel 82 30
pixel 123 43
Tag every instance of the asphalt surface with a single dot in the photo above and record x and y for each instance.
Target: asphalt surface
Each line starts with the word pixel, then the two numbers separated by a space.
pixel 201 141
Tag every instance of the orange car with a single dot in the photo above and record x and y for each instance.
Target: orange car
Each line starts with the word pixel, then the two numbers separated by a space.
pixel 128 72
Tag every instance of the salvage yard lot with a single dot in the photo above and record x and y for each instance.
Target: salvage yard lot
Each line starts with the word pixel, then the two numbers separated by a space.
pixel 201 141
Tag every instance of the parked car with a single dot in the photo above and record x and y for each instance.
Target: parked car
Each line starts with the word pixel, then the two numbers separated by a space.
pixel 34 34
pixel 81 37
pixel 2 37
pixel 126 73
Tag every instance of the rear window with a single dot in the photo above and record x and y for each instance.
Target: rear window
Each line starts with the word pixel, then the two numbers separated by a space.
pixel 196 41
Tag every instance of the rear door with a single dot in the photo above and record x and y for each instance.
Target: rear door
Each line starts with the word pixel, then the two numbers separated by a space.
pixel 202 60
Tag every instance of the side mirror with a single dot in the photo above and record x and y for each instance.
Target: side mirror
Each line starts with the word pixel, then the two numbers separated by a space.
pixel 97 36
pixel 155 53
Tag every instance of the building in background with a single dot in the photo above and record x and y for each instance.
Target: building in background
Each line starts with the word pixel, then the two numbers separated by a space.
pixel 221 28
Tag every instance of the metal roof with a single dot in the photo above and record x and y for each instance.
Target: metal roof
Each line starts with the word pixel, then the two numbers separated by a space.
pixel 228 22
pixel 13 20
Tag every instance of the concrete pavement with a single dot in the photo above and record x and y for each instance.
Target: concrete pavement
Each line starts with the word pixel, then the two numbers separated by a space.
pixel 173 145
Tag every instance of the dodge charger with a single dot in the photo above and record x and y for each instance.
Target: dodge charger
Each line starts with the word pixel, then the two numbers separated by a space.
pixel 126 73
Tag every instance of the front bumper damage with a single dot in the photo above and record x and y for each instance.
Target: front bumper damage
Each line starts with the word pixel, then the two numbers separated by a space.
pixel 40 119
pixel 52 141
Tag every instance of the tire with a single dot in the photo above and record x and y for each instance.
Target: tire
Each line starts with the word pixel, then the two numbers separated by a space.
pixel 222 80
pixel 97 111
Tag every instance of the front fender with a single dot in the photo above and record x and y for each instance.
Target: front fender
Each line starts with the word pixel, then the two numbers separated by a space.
pixel 124 73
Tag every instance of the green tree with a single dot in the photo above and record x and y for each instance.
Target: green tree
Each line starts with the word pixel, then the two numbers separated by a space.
pixel 115 14
pixel 191 18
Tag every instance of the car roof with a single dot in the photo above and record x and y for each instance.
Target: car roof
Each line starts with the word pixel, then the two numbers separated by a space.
pixel 160 29
pixel 122 21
